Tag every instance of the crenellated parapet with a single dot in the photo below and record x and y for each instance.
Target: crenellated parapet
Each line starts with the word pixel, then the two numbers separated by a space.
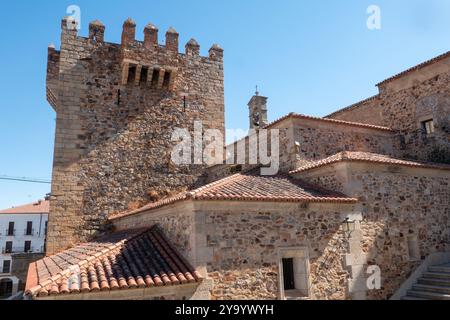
pixel 145 63
pixel 128 39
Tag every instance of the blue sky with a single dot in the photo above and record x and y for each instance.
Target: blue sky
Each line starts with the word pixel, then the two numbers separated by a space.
pixel 310 57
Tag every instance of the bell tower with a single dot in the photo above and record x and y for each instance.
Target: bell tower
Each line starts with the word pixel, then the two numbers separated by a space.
pixel 258 111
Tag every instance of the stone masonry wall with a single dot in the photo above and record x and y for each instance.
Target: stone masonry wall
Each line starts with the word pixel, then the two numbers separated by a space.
pixel 241 243
pixel 177 221
pixel 407 101
pixel 398 203
pixel 304 140
pixel 368 111
pixel 320 140
pixel 114 127
pixel 405 110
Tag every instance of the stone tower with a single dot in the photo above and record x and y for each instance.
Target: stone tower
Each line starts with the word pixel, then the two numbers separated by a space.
pixel 258 111
pixel 117 106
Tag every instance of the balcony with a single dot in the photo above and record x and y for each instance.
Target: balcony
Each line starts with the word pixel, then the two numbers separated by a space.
pixel 20 250
pixel 9 233
pixel 28 232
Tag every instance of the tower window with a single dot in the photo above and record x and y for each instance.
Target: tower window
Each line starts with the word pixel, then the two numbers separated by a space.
pixel 144 75
pixel 428 126
pixel 155 78
pixel 166 81
pixel 131 74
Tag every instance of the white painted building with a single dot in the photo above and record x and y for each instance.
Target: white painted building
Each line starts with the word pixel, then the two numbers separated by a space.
pixel 22 231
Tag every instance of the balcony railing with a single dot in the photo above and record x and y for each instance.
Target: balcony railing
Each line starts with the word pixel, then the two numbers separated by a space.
pixel 10 233
pixel 28 232
pixel 20 250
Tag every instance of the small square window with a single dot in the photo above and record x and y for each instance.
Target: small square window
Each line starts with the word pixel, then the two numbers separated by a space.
pixel 428 126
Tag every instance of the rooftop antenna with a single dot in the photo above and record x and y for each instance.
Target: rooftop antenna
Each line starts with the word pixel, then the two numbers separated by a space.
pixel 257 92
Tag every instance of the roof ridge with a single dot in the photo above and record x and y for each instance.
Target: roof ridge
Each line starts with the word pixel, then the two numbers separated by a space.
pixel 200 191
pixel 353 105
pixel 344 122
pixel 352 156
pixel 416 67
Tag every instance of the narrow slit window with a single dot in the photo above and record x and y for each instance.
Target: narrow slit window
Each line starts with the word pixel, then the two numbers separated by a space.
pixel 155 78
pixel 166 81
pixel 131 74
pixel 144 75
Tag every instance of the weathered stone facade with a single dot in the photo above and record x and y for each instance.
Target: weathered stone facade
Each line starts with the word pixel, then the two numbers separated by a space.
pixel 237 244
pixel 407 100
pixel 117 106
pixel 398 204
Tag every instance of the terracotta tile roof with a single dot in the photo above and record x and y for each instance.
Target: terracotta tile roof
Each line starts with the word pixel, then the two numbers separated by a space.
pixel 417 67
pixel 251 186
pixel 124 260
pixel 42 206
pixel 352 106
pixel 368 157
pixel 335 121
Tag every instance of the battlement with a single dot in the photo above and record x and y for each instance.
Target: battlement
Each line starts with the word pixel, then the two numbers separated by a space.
pixel 143 63
pixel 150 43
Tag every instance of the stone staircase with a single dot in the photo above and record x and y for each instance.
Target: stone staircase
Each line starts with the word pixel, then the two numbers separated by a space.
pixel 434 284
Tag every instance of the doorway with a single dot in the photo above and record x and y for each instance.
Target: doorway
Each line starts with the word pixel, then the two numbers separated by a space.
pixel 6 288
pixel 288 274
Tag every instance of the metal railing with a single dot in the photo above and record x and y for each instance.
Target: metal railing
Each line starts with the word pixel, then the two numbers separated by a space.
pixel 19 250
pixel 5 271
pixel 10 233
pixel 28 232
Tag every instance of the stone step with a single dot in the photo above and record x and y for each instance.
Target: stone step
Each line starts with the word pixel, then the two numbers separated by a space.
pixel 435 289
pixel 435 282
pixel 440 269
pixel 428 295
pixel 436 275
